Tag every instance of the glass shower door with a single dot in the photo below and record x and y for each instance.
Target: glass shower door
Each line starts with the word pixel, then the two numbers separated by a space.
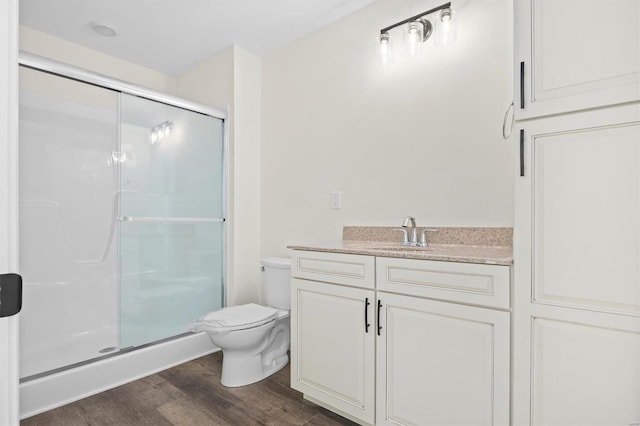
pixel 68 205
pixel 170 219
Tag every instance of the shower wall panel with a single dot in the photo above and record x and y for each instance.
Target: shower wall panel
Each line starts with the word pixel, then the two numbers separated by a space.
pixel 68 202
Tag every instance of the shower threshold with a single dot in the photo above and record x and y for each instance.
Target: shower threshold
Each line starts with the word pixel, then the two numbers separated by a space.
pixel 102 357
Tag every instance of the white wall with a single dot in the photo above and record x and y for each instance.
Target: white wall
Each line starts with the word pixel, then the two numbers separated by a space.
pixel 422 137
pixel 233 78
pixel 246 175
pixel 43 44
pixel 211 82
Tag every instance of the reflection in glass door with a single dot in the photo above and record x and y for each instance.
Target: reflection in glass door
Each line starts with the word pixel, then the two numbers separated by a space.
pixel 170 219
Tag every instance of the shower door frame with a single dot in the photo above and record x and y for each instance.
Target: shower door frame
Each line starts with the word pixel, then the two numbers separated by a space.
pixel 44 393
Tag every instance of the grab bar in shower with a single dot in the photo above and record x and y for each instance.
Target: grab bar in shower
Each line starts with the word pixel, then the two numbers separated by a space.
pixel 169 219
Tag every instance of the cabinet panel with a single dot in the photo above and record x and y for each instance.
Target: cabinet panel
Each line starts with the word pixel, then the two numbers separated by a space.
pixel 578 54
pixel 577 286
pixel 441 364
pixel 584 374
pixel 332 353
pixel 348 269
pixel 586 227
pixel 486 285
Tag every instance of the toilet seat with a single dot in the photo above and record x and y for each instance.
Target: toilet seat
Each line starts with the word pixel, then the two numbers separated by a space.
pixel 236 318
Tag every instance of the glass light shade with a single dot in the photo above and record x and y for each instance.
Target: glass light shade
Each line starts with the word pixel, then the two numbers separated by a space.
pixel 414 37
pixel 385 51
pixel 446 27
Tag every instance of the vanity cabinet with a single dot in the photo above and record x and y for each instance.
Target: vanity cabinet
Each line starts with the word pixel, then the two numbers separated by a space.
pixel 430 362
pixel 573 55
pixel 577 280
pixel 332 331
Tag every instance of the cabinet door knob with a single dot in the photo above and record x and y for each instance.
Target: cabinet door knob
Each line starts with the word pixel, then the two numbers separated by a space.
pixel 366 315
pixel 378 318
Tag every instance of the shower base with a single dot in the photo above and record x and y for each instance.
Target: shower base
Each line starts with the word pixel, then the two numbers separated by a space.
pixel 54 390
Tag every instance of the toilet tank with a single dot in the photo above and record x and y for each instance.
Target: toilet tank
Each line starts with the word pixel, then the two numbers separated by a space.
pixel 276 282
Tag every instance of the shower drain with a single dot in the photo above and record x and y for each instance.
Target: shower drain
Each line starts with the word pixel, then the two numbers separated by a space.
pixel 107 350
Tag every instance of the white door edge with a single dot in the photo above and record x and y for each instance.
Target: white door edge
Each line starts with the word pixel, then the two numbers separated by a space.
pixel 9 396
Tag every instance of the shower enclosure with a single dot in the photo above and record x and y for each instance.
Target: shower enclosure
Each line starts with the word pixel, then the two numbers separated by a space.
pixel 121 218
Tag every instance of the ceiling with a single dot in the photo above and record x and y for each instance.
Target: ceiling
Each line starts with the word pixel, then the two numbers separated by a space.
pixel 172 36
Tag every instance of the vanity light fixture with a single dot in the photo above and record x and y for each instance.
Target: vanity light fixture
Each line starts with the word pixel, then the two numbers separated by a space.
pixel 419 29
pixel 160 132
pixel 446 27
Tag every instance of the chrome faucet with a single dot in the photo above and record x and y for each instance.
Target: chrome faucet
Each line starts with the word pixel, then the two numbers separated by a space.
pixel 410 222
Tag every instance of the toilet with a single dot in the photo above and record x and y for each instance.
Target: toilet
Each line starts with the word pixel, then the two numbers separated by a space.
pixel 254 339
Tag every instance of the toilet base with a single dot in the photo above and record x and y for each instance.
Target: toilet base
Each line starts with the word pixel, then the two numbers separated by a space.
pixel 242 366
pixel 242 371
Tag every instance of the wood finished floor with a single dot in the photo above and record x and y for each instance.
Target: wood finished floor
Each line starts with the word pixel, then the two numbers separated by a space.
pixel 191 394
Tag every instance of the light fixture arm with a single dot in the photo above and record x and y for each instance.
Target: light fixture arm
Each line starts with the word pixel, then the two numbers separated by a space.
pixel 416 17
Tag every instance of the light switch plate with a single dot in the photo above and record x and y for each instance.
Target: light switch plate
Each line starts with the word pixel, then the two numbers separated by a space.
pixel 336 199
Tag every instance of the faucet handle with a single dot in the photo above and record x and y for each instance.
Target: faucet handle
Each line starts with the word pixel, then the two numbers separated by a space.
pixel 423 236
pixel 405 235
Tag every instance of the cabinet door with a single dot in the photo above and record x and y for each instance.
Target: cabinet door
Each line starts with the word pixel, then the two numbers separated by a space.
pixel 441 363
pixel 332 348
pixel 577 368
pixel 575 55
pixel 578 210
pixel 577 279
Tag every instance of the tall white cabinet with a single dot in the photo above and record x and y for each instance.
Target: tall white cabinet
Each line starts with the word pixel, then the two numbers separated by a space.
pixel 576 341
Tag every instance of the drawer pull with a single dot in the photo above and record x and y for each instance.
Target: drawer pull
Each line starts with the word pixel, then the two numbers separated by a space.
pixel 379 308
pixel 521 152
pixel 366 315
pixel 521 85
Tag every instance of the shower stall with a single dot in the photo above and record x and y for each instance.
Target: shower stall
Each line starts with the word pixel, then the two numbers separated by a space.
pixel 121 213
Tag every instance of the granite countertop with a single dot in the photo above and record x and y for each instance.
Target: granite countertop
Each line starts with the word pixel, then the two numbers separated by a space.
pixel 466 245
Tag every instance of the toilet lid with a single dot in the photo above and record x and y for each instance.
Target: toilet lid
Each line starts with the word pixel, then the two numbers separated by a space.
pixel 241 316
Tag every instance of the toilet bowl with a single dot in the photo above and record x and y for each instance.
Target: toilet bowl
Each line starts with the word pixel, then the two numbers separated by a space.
pixel 254 339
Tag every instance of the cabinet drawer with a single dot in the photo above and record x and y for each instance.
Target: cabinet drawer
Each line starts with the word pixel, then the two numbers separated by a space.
pixel 348 269
pixel 478 284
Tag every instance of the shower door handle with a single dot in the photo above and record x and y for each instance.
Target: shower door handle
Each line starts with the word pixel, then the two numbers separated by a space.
pixel 10 294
